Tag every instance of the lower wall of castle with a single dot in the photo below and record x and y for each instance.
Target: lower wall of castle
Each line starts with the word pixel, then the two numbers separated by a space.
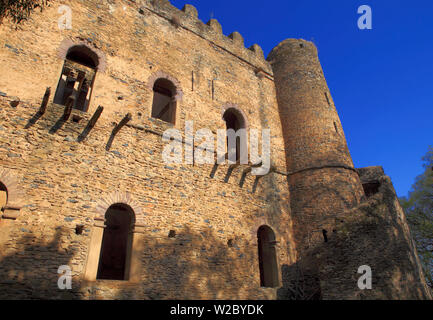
pixel 374 234
pixel 318 197
pixel 56 184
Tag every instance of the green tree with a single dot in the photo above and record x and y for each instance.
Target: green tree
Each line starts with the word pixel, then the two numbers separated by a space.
pixel 19 10
pixel 419 211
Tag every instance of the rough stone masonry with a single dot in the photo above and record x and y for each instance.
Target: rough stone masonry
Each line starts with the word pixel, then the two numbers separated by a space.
pixel 83 184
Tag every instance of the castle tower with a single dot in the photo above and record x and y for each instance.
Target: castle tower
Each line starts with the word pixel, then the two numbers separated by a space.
pixel 323 183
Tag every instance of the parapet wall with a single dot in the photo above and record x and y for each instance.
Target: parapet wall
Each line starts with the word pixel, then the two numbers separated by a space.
pixel 212 31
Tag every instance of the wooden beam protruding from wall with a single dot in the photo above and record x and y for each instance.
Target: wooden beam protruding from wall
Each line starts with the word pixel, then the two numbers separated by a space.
pixel 70 102
pixel 45 100
pixel 116 129
pixel 91 123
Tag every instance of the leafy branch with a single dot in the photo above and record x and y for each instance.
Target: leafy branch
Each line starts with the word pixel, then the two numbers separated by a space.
pixel 419 211
pixel 20 10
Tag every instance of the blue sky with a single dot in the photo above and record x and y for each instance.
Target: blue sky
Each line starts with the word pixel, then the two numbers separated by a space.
pixel 381 80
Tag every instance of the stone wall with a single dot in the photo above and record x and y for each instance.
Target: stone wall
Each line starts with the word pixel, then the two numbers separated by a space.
pixel 65 183
pixel 323 182
pixel 374 234
pixel 195 226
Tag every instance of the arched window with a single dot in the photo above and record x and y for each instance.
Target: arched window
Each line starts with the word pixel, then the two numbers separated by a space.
pixel 78 77
pixel 114 260
pixel 3 196
pixel 164 102
pixel 267 257
pixel 235 121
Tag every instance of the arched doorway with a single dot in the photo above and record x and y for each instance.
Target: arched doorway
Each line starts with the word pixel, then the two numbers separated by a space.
pixel 267 257
pixel 116 244
pixel 235 122
pixel 78 77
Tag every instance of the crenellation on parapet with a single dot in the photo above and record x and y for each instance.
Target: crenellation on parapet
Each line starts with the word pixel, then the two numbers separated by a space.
pixel 257 50
pixel 215 26
pixel 237 38
pixel 212 31
pixel 190 10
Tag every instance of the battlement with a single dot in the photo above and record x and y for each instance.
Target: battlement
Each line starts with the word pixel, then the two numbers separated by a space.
pixel 212 31
pixel 293 47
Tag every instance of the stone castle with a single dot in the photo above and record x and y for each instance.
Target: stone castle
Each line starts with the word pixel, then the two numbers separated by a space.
pixel 82 183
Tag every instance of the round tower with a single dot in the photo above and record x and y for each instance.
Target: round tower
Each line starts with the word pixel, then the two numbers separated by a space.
pixel 323 182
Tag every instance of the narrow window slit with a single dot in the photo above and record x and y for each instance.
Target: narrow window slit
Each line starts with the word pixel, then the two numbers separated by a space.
pixel 325 235
pixel 370 189
pixel 79 229
pixel 327 98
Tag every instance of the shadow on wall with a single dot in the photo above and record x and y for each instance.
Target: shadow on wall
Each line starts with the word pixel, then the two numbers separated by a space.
pixel 298 285
pixel 373 234
pixel 313 222
pixel 31 272
pixel 197 264
pixel 188 266
pixel 194 264
pixel 191 265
